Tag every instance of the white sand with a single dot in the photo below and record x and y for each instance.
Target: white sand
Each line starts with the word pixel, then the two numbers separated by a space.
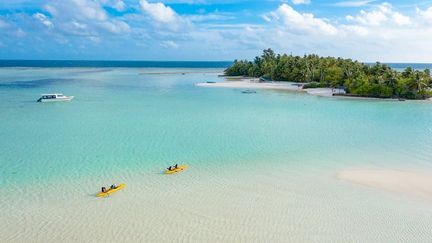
pixel 320 92
pixel 252 83
pixel 218 205
pixel 246 83
pixel 408 183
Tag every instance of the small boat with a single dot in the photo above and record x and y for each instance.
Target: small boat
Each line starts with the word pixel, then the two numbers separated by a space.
pixel 111 190
pixel 179 168
pixel 248 91
pixel 54 98
pixel 211 82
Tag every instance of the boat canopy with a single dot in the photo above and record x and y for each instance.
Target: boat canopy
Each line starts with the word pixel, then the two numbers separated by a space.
pixel 56 94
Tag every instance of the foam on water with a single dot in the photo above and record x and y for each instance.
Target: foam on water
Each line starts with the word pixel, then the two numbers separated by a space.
pixel 262 166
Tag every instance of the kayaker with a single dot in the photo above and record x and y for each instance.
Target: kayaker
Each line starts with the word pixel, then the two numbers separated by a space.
pixel 175 166
pixel 113 186
pixel 170 168
pixel 103 189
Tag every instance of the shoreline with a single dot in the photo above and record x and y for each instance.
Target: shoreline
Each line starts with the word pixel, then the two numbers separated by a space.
pixel 253 83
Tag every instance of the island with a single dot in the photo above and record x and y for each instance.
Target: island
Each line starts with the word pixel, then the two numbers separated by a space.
pixel 346 77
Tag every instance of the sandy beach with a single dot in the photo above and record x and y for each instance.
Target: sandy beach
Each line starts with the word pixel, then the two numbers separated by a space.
pixel 252 83
pixel 249 83
pixel 407 183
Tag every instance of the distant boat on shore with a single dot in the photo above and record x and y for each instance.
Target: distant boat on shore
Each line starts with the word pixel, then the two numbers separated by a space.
pixel 248 91
pixel 54 98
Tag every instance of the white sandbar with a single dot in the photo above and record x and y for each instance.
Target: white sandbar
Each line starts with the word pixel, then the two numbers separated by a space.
pixel 408 183
pixel 246 83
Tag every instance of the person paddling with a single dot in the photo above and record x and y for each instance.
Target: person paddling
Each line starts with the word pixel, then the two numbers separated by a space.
pixel 170 168
pixel 103 189
pixel 176 166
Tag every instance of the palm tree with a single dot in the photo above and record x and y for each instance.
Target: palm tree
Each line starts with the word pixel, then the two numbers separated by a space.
pixel 418 82
pixel 390 79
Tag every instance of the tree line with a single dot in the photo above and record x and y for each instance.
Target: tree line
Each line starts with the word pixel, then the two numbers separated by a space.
pixel 359 79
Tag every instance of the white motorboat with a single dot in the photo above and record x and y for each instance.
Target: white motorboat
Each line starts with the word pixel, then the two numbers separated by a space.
pixel 54 98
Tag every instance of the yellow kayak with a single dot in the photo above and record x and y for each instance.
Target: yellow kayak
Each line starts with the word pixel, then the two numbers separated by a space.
pixel 109 191
pixel 179 168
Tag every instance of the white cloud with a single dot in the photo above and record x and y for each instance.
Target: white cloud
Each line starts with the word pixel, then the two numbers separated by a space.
pixel 426 14
pixel 159 12
pixel 43 19
pixel 378 33
pixel 355 29
pixel 359 3
pixel 153 30
pixel 401 19
pixel 374 17
pixel 120 6
pixel 116 26
pixel 296 2
pixel 304 23
pixel 169 44
pixel 82 18
pixel 210 16
pixel 381 14
pixel 164 17
pixel 90 10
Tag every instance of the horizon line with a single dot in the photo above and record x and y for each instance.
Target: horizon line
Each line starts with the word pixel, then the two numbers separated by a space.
pixel 113 60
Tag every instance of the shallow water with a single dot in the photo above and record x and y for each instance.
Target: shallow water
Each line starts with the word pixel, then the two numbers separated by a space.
pixel 262 165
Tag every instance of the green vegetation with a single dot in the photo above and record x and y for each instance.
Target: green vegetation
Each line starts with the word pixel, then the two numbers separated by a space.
pixel 359 79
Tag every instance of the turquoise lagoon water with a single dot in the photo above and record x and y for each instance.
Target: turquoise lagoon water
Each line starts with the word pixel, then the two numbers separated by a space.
pixel 129 123
pixel 125 119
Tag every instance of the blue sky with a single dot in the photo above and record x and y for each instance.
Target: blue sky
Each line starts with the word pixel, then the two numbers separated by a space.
pixel 367 30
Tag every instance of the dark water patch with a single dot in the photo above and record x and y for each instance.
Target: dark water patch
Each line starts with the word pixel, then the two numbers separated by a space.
pixel 35 83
